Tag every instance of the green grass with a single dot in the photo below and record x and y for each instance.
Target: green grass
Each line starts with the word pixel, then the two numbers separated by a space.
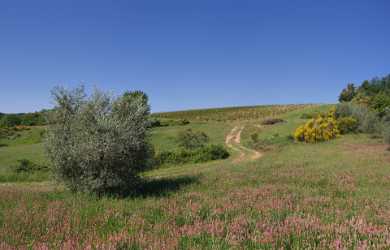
pixel 25 144
pixel 280 133
pixel 26 137
pixel 300 196
pixel 165 138
pixel 28 145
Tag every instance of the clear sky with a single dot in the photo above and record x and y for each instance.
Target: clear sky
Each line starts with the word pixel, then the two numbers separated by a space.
pixel 191 54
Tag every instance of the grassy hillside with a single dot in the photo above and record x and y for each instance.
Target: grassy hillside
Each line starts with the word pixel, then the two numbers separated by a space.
pixel 296 196
pixel 232 113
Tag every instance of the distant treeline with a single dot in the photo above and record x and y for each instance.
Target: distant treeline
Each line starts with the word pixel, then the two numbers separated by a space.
pixel 40 119
pixel 23 119
pixel 369 105
pixel 374 94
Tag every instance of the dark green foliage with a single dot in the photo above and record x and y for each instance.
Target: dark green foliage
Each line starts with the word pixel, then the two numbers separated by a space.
pixel 190 139
pixel 155 123
pixel 184 122
pixel 386 134
pixel 99 144
pixel 347 125
pixel 183 156
pixel 10 120
pixel 381 103
pixel 367 119
pixel 34 119
pixel 255 137
pixel 211 153
pixel 348 93
pixel 27 166
pixel 374 93
pixel 386 127
pixel 272 121
pixel 28 119
pixel 137 95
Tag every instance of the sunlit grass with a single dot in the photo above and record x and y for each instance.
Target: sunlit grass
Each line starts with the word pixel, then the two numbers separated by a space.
pixel 326 195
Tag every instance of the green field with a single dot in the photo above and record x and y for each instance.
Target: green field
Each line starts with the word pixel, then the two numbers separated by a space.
pixel 330 195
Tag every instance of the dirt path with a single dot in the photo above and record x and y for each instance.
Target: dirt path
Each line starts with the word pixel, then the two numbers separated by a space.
pixel 233 141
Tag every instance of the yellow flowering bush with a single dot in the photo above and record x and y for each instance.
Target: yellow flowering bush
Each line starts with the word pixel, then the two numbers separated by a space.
pixel 322 128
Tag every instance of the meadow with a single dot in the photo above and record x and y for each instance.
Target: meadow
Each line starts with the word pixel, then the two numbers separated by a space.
pixel 329 195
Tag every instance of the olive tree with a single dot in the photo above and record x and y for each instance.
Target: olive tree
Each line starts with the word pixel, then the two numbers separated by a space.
pixel 98 143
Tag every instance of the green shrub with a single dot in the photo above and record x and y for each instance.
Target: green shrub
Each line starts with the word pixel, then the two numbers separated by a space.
pixel 184 122
pixel 27 119
pixel 347 125
pixel 191 140
pixel 374 93
pixel 371 124
pixel 348 93
pixel 27 166
pixel 272 121
pixel 345 109
pixel 10 121
pixel 255 137
pixel 380 103
pixel 210 153
pixel 154 123
pixel 386 134
pixel 368 120
pixel 98 144
pixel 183 156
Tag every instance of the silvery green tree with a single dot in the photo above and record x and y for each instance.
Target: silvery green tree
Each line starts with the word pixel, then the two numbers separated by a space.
pixel 98 143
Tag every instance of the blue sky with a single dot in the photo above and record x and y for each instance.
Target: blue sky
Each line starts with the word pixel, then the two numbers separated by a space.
pixel 191 54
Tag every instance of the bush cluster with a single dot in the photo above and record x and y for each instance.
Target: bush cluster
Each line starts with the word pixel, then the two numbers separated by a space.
pixel 322 128
pixel 27 166
pixel 28 119
pixel 182 156
pixel 155 123
pixel 272 121
pixel 367 120
pixel 369 104
pixel 191 140
pixel 99 144
pixel 374 94
pixel 194 148
pixel 346 118
pixel 347 124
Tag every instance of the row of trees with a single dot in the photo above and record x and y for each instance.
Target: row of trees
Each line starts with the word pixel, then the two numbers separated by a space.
pixel 28 119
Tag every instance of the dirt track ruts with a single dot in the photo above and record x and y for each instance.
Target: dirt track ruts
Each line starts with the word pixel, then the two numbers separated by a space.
pixel 233 141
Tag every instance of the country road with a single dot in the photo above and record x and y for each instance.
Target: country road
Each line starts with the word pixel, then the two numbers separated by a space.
pixel 233 141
